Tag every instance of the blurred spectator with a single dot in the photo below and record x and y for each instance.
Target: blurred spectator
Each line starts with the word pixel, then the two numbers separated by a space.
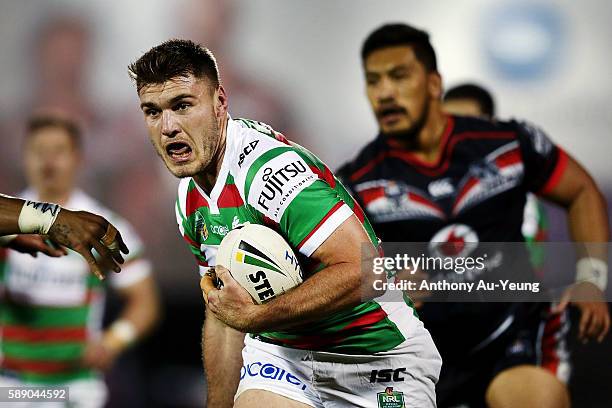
pixel 51 316
pixel 211 23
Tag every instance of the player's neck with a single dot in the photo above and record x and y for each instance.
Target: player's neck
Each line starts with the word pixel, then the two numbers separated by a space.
pixel 429 139
pixel 207 179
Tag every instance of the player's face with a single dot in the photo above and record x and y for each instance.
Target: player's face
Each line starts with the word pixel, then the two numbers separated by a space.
pixel 398 88
pixel 463 107
pixel 183 116
pixel 51 161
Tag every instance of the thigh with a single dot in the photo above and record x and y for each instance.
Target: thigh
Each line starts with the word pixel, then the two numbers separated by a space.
pixel 283 372
pixel 527 387
pixel 254 398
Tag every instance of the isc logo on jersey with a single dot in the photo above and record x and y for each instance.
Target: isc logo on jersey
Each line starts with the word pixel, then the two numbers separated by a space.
pixel 278 182
pixel 260 260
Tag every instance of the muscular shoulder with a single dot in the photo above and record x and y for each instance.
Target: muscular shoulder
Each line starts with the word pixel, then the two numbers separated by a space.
pixel 254 147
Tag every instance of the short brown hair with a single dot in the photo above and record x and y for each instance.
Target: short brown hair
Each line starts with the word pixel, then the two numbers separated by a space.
pixel 43 121
pixel 171 59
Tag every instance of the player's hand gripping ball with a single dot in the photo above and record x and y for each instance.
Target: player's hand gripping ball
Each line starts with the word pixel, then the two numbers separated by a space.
pixel 259 259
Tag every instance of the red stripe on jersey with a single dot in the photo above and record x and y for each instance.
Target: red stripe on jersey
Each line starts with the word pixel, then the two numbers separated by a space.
pixel 190 241
pixel 281 138
pixel 508 158
pixel 550 357
pixel 371 194
pixel 269 222
pixel 432 171
pixel 466 188
pixel 358 211
pixel 194 201
pixel 229 197
pixel 315 229
pixel 557 173
pixel 37 366
pixel 49 334
pixel 368 167
pixel 411 157
pixel 424 201
pixel 326 175
pixel 327 339
pixel 367 319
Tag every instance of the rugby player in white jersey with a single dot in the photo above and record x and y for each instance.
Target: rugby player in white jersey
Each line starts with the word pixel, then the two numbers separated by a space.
pixel 50 325
pixel 322 344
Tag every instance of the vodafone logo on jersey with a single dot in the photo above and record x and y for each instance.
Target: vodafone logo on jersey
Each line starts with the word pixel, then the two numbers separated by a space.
pixel 455 240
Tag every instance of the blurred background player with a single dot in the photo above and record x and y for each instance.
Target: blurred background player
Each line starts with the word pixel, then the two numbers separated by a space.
pixel 474 100
pixel 50 321
pixel 419 181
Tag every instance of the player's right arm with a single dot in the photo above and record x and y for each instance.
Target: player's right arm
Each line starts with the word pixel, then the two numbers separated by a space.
pixel 221 345
pixel 222 353
pixel 77 230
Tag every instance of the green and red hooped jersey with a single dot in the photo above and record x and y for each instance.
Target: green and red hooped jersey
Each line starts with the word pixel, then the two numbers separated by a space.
pixel 264 179
pixel 51 307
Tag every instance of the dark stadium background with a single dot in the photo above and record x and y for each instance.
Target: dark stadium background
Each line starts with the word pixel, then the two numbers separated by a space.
pixel 294 64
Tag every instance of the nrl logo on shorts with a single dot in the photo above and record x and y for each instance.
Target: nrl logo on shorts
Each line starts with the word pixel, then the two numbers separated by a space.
pixel 390 399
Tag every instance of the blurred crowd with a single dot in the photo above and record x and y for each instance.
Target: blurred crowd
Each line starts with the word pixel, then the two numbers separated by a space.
pixel 121 168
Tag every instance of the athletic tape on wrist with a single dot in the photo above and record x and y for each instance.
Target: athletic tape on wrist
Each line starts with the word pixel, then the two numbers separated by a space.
pixel 37 217
pixel 124 330
pixel 592 270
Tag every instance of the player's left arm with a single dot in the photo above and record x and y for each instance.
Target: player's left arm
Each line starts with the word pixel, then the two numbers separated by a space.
pixel 138 317
pixel 311 212
pixel 578 193
pixel 141 310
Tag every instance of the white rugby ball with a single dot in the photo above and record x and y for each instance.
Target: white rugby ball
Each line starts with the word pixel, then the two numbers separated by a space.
pixel 260 260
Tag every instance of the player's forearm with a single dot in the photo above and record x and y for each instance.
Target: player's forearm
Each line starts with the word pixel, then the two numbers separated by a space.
pixel 9 215
pixel 222 350
pixel 141 313
pixel 588 220
pixel 330 290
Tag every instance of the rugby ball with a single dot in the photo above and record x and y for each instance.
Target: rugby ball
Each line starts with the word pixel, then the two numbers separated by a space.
pixel 260 260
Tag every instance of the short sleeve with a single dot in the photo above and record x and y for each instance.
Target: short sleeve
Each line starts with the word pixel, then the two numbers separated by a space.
pixel 285 189
pixel 544 161
pixel 136 266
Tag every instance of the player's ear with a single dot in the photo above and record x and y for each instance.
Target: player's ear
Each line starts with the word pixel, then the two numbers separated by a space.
pixel 220 101
pixel 434 82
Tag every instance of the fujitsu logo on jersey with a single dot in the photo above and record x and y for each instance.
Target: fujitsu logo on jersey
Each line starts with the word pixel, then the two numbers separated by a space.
pixel 278 182
pixel 275 180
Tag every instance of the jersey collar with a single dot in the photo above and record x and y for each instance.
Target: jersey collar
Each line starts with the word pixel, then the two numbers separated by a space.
pixel 230 137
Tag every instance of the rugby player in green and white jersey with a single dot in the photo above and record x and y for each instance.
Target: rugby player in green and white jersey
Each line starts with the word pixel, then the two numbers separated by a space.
pixel 51 308
pixel 320 344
